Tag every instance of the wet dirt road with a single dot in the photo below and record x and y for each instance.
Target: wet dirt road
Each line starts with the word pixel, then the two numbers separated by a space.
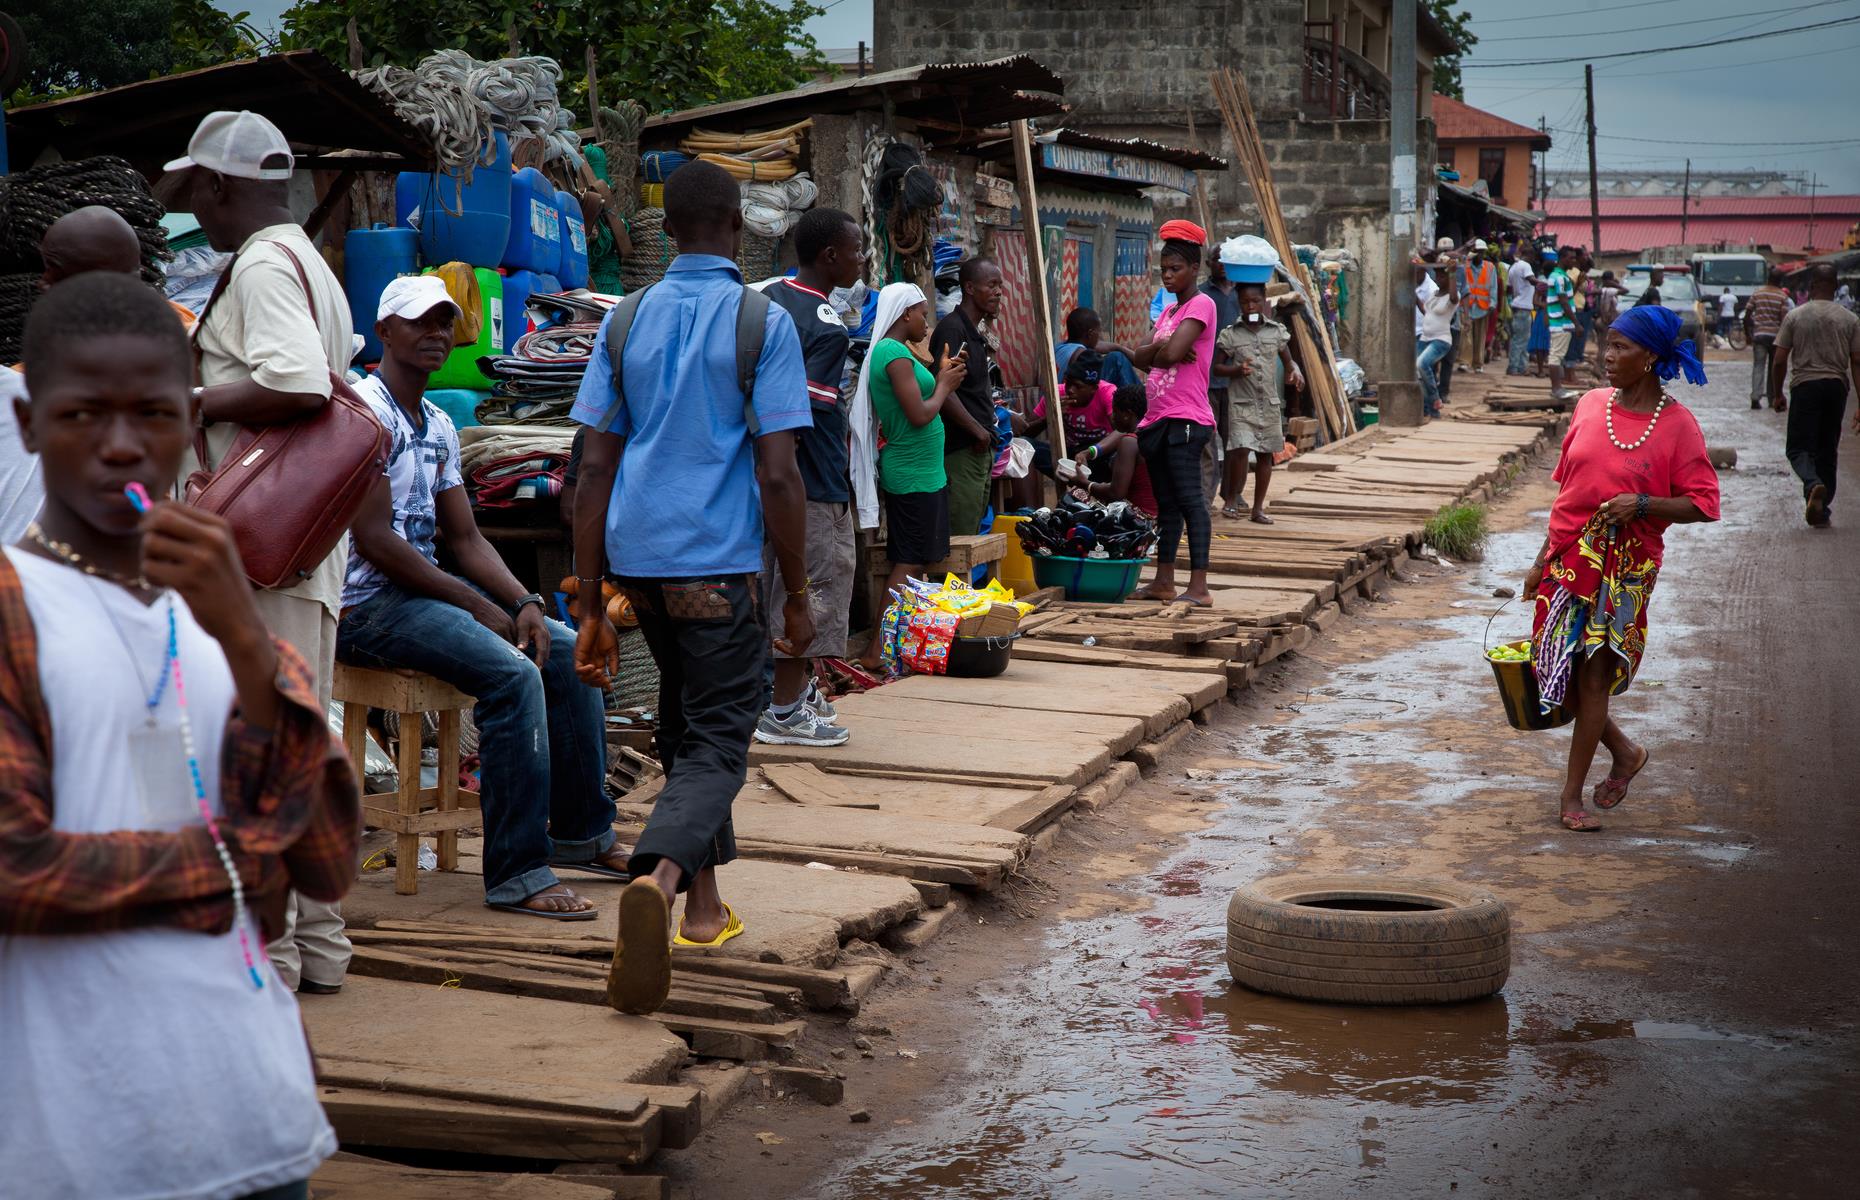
pixel 1679 1019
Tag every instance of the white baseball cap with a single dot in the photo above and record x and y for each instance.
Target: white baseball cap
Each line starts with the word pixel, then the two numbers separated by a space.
pixel 242 144
pixel 413 296
pixel 1479 244
pixel 1445 243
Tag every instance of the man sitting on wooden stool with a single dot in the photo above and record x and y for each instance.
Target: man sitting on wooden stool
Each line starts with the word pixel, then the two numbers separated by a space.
pixel 540 730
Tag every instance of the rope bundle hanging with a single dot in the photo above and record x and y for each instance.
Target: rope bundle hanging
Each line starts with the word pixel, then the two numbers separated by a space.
pixel 902 198
pixel 457 101
pixel 652 251
pixel 31 200
pixel 622 126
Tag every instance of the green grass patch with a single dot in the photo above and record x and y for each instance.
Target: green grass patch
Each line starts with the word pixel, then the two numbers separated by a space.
pixel 1458 531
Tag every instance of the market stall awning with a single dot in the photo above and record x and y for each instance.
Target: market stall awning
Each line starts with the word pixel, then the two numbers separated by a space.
pixel 315 103
pixel 1134 163
pixel 959 98
pixel 1481 200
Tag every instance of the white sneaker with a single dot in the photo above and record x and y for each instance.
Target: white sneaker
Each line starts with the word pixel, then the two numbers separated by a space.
pixel 802 727
pixel 817 700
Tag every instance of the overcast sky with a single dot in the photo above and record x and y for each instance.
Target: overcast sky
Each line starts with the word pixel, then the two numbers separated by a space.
pixel 1728 107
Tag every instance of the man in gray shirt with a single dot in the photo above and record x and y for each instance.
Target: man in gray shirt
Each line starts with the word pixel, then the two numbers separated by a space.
pixel 1821 342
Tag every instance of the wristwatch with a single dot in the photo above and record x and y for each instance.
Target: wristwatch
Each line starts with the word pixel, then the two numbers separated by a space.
pixel 532 598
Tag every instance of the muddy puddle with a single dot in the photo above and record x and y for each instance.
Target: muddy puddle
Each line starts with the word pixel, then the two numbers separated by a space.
pixel 1129 1064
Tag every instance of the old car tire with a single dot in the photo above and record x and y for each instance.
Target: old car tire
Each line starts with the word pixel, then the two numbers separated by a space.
pixel 1368 939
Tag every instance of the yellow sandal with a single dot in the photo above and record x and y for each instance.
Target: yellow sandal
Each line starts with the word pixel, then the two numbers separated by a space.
pixel 731 928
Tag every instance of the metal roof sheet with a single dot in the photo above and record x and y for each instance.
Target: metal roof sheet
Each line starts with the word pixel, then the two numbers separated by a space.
pixel 311 100
pixel 1634 236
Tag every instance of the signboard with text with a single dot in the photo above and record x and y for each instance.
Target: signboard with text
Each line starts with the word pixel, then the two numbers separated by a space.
pixel 1105 165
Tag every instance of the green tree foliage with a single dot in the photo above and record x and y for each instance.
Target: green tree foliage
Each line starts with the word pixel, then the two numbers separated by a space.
pixel 1447 67
pixel 663 53
pixel 76 47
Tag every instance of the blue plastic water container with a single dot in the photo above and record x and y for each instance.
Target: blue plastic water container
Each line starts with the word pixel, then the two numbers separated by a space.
pixel 461 404
pixel 517 288
pixel 535 224
pixel 574 270
pixel 461 222
pixel 371 259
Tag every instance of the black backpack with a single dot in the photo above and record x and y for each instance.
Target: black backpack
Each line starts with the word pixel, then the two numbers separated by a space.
pixel 751 320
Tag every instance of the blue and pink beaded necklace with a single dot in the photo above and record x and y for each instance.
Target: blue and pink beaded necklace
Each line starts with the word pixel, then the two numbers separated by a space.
pixel 171 668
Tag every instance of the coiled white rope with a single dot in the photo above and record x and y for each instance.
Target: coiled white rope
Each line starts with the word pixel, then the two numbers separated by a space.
pixel 457 101
pixel 772 209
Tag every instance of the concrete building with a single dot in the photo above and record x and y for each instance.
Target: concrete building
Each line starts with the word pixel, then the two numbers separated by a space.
pixel 1318 74
pixel 1486 148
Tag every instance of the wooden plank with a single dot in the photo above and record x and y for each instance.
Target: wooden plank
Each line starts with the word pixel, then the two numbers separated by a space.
pixel 352 1177
pixel 1061 652
pixel 371 1118
pixel 783 824
pixel 890 745
pixel 1199 688
pixel 1037 812
pixel 446 1083
pixel 1015 691
pixel 969 723
pixel 805 783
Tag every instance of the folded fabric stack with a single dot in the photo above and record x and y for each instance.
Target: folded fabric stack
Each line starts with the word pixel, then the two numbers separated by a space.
pixel 536 384
pixel 510 465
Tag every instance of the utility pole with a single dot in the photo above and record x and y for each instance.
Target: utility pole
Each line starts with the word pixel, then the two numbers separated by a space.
pixel 1399 396
pixel 1595 199
pixel 1814 186
pixel 1685 205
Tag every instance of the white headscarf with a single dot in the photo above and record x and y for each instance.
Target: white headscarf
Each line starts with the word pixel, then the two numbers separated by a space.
pixel 892 303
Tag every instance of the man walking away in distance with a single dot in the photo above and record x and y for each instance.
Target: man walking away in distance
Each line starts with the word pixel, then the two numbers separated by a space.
pixel 1821 342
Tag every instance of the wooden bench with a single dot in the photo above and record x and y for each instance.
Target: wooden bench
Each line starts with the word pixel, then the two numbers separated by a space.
pixel 438 812
pixel 965 554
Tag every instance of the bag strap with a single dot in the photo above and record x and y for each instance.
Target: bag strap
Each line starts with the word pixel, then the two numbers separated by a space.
pixel 213 297
pixel 304 280
pixel 751 320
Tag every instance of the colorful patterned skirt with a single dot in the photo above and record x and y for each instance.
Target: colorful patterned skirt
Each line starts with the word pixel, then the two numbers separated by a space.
pixel 1593 596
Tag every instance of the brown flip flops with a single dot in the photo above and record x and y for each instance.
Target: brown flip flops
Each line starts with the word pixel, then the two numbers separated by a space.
pixel 641 975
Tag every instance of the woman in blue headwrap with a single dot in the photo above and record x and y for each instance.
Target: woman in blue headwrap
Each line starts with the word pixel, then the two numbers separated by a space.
pixel 1633 463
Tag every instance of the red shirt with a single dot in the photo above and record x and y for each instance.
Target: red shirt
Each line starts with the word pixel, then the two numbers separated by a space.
pixel 1593 470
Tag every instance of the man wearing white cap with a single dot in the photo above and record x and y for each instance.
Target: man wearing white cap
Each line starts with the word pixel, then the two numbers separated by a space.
pixel 540 729
pixel 275 327
pixel 1478 298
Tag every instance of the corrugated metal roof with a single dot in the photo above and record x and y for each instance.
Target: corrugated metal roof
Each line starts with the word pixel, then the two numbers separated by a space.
pixel 1181 156
pixel 1635 235
pixel 1708 206
pixel 964 96
pixel 1456 120
pixel 311 100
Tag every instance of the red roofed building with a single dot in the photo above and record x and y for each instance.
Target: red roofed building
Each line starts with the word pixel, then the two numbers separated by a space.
pixel 1482 145
pixel 1631 225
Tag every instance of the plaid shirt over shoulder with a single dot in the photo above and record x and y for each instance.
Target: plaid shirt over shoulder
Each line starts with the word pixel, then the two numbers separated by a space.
pixel 290 798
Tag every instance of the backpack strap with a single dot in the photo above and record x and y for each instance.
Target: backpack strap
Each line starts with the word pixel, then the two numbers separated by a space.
pixel 751 320
pixel 617 329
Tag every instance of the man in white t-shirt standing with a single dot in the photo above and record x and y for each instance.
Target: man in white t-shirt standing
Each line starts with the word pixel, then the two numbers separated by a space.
pixel 1727 313
pixel 1522 280
pixel 147 1048
pixel 1436 338
pixel 275 328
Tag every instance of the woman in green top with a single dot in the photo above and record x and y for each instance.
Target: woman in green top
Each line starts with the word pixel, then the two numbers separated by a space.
pixel 906 399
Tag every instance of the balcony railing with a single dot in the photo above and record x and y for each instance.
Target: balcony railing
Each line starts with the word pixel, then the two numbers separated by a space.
pixel 1338 81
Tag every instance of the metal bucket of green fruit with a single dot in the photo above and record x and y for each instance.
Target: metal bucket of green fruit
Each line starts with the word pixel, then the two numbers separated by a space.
pixel 1517 684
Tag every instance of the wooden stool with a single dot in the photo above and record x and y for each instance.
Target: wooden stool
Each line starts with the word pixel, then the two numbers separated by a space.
pixel 411 695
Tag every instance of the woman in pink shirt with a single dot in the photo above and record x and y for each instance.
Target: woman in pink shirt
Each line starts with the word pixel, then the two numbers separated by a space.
pixel 1180 420
pixel 1633 463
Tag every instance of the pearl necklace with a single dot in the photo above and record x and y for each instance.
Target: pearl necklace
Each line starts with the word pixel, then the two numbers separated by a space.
pixel 1645 433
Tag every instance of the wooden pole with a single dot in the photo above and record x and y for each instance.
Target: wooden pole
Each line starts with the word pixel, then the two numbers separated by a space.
pixel 1243 130
pixel 623 240
pixel 1043 349
pixel 1595 203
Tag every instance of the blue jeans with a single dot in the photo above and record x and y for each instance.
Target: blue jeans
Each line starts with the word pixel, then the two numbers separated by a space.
pixel 541 735
pixel 1424 368
pixel 1117 370
pixel 1520 341
pixel 1579 340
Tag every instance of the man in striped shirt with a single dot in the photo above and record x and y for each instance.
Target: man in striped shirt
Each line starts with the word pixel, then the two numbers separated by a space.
pixel 1763 316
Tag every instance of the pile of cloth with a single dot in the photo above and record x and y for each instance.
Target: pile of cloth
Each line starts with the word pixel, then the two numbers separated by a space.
pixel 508 466
pixel 536 384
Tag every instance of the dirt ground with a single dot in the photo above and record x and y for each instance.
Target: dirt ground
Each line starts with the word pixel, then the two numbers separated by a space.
pixel 1679 1019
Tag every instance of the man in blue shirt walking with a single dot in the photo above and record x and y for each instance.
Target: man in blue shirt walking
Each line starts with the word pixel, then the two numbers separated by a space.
pixel 673 489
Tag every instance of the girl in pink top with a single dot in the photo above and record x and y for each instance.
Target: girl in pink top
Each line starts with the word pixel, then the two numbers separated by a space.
pixel 1633 464
pixel 1180 420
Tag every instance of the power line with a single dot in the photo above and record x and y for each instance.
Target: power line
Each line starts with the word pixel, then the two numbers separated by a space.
pixel 1621 137
pixel 1578 12
pixel 1553 37
pixel 1554 62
